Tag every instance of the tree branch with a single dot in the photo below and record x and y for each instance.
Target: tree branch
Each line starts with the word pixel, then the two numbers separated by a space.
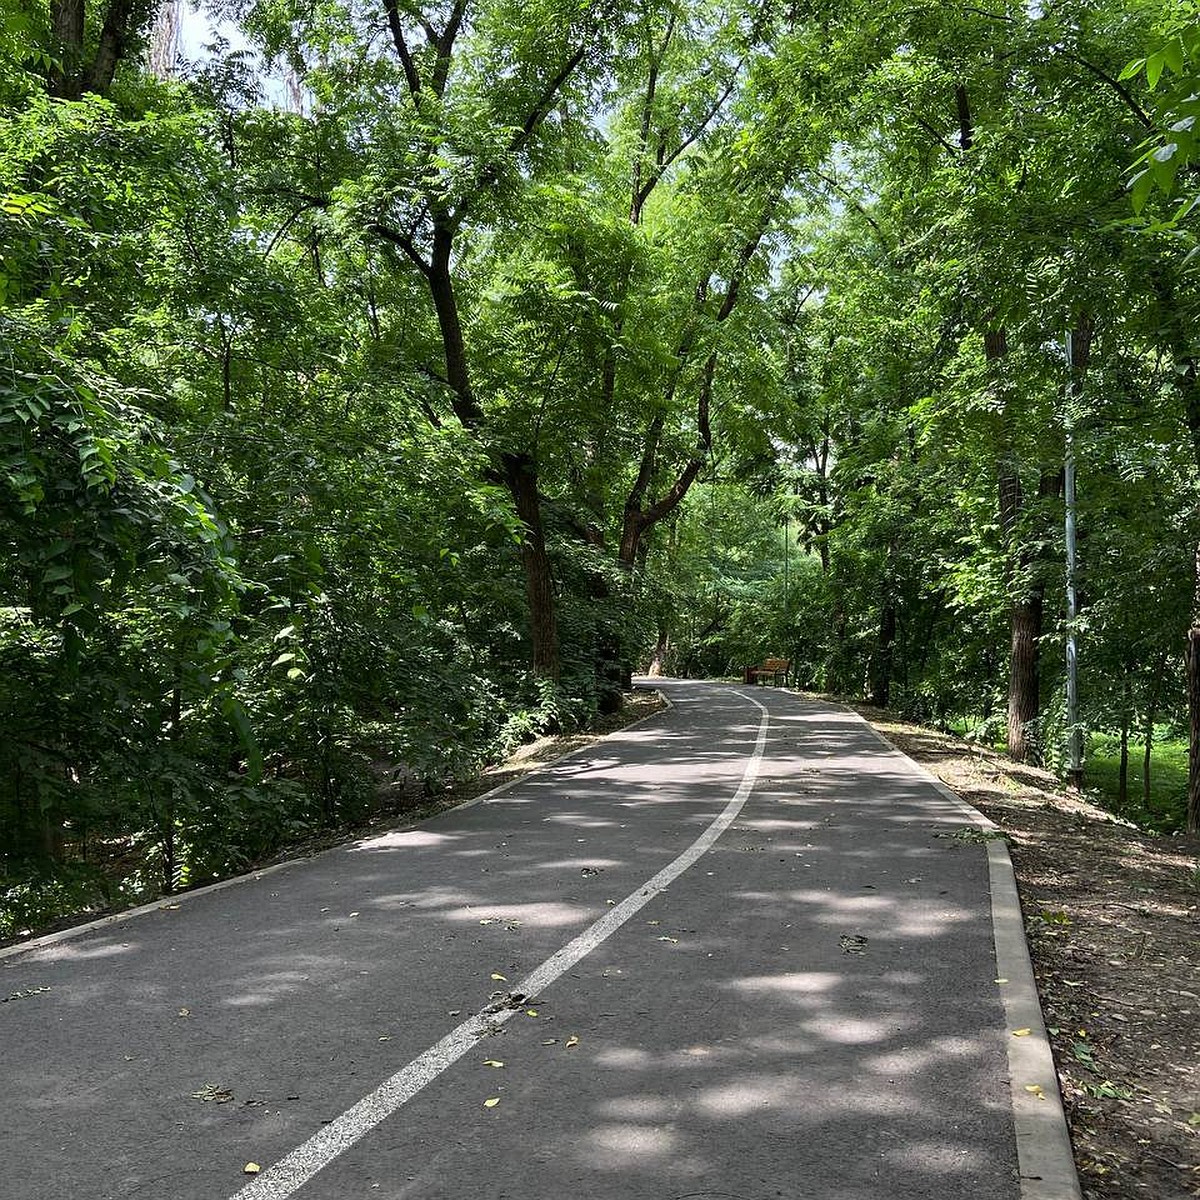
pixel 410 71
pixel 695 464
pixel 663 160
pixel 635 208
pixel 545 102
pixel 1116 85
pixel 404 242
pixel 933 133
pixel 445 46
pixel 862 212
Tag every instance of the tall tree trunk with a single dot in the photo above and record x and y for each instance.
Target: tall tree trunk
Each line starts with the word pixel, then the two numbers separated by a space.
pixel 520 472
pixel 1025 587
pixel 66 20
pixel 1193 695
pixel 1024 681
pixel 114 39
pixel 1188 383
pixel 1148 726
pixel 662 648
pixel 881 675
pixel 1025 615
pixel 1126 721
pixel 521 475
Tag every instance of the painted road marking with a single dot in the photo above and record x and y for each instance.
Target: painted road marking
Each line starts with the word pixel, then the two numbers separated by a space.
pixel 293 1171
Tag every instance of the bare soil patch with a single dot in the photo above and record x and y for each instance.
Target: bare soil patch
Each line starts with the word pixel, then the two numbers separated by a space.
pixel 1113 917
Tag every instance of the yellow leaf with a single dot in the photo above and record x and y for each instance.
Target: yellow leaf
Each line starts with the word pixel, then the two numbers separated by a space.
pixel 531 1012
pixel 1021 1032
pixel 185 1012
pixel 549 1041
pixel 1036 1089
pixel 251 1169
pixel 999 980
pixel 492 1062
pixel 492 1102
pixel 497 975
pixel 572 1042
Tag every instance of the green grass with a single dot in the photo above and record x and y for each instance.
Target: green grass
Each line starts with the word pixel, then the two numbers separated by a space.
pixel 1168 781
pixel 1167 810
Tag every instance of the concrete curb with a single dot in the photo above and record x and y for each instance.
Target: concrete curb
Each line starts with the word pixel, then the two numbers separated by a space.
pixel 172 902
pixel 1045 1158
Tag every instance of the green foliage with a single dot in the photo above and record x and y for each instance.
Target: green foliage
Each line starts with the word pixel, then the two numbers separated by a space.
pixel 1172 74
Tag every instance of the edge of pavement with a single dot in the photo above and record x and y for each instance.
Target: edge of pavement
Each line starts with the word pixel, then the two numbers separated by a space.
pixel 1045 1159
pixel 170 902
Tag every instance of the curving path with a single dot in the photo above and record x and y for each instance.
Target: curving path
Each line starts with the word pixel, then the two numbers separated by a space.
pixel 799 1003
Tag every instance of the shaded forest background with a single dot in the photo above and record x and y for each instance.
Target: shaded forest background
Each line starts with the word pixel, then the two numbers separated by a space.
pixel 367 435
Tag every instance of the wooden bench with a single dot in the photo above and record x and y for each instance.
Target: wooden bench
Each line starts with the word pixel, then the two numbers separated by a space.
pixel 771 670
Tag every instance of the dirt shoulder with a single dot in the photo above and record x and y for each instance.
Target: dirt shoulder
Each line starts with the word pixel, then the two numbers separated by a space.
pixel 1112 917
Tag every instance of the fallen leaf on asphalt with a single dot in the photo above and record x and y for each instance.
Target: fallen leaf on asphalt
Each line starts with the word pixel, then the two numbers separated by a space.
pixel 386 1038
pixel 1021 1032
pixel 168 907
pixel 653 922
pixel 213 1091
pixel 1036 1090
pixel 492 1062
pixel 853 943
pixel 454 1012
pixel 665 938
pixel 185 1012
pixel 572 1042
pixel 492 1102
pixel 251 1169
pixel 549 1041
pixel 999 980
pixel 531 1012
pixel 497 975
pixel 354 914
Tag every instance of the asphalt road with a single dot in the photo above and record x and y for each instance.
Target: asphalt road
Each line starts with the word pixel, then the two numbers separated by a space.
pixel 808 1010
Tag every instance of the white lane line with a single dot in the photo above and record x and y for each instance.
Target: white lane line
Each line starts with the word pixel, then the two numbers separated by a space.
pixel 292 1172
